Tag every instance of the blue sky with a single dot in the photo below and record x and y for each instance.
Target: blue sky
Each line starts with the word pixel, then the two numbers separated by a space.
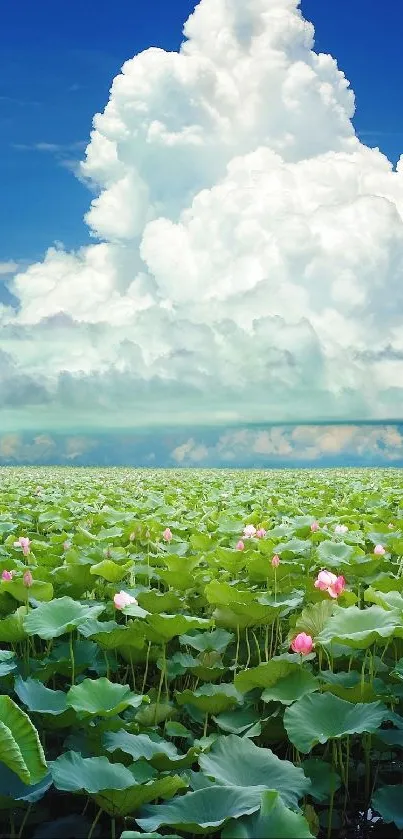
pixel 281 305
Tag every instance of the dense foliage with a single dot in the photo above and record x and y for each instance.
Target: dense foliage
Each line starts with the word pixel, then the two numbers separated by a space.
pixel 200 652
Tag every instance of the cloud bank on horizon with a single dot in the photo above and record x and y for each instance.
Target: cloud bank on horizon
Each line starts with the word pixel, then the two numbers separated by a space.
pixel 248 248
pixel 240 447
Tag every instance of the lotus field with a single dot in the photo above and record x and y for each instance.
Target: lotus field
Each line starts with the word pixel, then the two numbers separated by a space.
pixel 201 652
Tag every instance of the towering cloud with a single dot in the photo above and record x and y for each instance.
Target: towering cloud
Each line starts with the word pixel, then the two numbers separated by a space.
pixel 248 249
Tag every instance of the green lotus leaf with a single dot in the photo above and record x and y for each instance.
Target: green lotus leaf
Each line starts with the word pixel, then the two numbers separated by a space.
pixel 154 713
pixel 131 636
pixel 160 753
pixel 111 571
pixel 216 641
pixel 12 787
pixel 359 628
pixel 237 722
pixel 203 811
pixel 38 590
pixel 12 627
pixel 40 699
pixel 73 773
pixel 273 821
pixel 318 718
pixel 334 554
pixel 313 618
pixel 265 675
pixel 134 834
pixel 165 627
pixel 158 601
pixel 388 600
pixel 294 686
pixel 210 699
pixel 7 662
pixel 126 802
pixel 20 747
pixel 100 697
pixel 387 801
pixel 236 761
pixel 223 594
pixel 59 616
pixel 323 778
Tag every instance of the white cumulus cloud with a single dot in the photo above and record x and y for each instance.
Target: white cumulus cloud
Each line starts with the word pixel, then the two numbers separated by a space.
pixel 248 248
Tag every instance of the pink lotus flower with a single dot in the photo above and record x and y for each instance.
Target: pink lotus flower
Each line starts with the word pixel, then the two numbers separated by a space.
pixel 379 550
pixel 302 644
pixel 66 545
pixel 123 599
pixel 24 543
pixel 27 579
pixel 240 546
pixel 326 581
pixel 260 533
pixel 341 528
pixel 167 534
pixel 7 575
pixel 275 561
pixel 249 531
pixel 391 526
pixel 315 527
pixel 132 537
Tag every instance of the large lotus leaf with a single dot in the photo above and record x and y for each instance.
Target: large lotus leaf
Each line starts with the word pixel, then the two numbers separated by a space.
pixel 203 811
pixel 157 601
pixel 111 571
pixel 181 580
pixel 7 662
pixel 236 722
pixel 93 627
pixel 388 600
pixel 160 753
pixel 236 761
pixel 273 821
pixel 321 717
pixel 40 699
pixel 20 747
pixel 265 675
pixel 216 641
pixel 297 684
pixel 59 616
pixel 243 615
pixel 131 635
pixel 73 580
pixel 127 801
pixel 155 713
pixel 323 778
pixel 165 627
pixel 359 628
pixel 12 627
pixel 298 548
pixel 73 773
pixel 100 697
pixel 223 594
pixel 134 834
pixel 333 554
pixel 387 801
pixel 12 787
pixel 210 699
pixel 39 590
pixel 313 618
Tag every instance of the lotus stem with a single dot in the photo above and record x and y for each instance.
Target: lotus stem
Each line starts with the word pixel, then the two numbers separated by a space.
pixel 73 675
pixel 248 648
pixel 94 823
pixel 237 648
pixel 146 668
